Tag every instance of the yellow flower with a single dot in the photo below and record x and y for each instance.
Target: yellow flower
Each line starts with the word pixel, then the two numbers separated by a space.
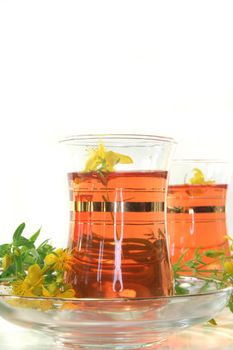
pixel 50 290
pixel 228 267
pixel 199 178
pixel 53 290
pixel 34 276
pixel 60 260
pixel 67 293
pixel 21 288
pixel 102 160
pixel 31 285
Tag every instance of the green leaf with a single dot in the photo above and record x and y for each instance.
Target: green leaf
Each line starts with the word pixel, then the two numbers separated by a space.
pixel 176 209
pixel 34 237
pixel 33 252
pixel 182 256
pixel 18 232
pixel 23 242
pixel 180 290
pixel 192 264
pixel 197 254
pixel 102 177
pixel 205 287
pixel 30 257
pixel 45 243
pixel 45 249
pixel 29 260
pixel 7 279
pixel 211 253
pixel 177 267
pixel 4 249
pixel 49 278
pixel 18 266
pixel 231 304
pixel 7 273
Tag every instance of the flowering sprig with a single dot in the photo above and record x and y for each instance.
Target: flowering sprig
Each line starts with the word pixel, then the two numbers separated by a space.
pixel 220 267
pixel 35 271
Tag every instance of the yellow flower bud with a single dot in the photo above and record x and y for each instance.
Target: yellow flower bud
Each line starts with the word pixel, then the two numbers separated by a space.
pixel 6 261
pixel 17 252
pixel 228 267
pixel 50 259
pixel 52 288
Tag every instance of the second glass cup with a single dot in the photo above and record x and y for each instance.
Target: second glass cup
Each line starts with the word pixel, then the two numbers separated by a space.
pixel 196 207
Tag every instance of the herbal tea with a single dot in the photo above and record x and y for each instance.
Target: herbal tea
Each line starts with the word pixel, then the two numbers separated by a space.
pixel 196 219
pixel 117 233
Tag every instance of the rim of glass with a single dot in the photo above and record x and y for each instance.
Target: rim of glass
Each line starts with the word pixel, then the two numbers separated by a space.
pixel 228 288
pixel 79 138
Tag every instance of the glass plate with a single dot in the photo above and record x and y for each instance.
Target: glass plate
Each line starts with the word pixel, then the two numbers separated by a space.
pixel 117 323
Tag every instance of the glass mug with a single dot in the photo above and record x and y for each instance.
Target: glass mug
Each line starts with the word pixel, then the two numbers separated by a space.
pixel 196 215
pixel 118 187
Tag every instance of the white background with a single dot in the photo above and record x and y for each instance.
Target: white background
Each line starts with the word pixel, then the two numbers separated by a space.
pixel 67 67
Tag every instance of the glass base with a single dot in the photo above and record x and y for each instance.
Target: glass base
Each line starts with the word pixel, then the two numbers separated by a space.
pixel 108 344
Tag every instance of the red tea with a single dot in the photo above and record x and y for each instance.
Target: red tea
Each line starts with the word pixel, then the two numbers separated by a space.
pixel 117 233
pixel 196 219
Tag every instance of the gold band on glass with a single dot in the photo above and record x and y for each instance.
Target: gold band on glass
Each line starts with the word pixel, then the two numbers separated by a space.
pixel 138 207
pixel 196 209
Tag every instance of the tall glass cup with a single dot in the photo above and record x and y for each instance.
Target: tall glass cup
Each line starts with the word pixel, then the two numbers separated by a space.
pixel 117 186
pixel 196 207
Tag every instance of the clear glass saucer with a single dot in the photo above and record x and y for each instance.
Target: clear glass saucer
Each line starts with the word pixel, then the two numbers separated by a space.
pixel 117 323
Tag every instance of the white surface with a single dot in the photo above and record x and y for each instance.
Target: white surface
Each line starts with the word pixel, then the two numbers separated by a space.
pixel 158 67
